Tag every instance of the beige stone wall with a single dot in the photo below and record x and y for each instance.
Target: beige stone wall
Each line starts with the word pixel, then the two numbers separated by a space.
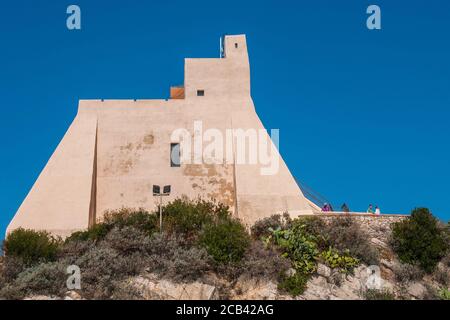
pixel 117 149
pixel 61 197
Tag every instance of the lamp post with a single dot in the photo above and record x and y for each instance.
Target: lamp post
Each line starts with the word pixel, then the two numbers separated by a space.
pixel 157 192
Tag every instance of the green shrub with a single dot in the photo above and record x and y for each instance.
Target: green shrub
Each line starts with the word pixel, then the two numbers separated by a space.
pixel 3 292
pixel 171 257
pixel 300 247
pixel 263 263
pixel 343 261
pixel 102 267
pixel 406 272
pixel 419 240
pixel 308 236
pixel 46 279
pixel 11 267
pixel 186 264
pixel 442 276
pixel 343 233
pixel 277 236
pixel 295 285
pixel 446 260
pixel 188 217
pixel 94 233
pixel 226 240
pixel 444 294
pixel 9 291
pixel 262 228
pixel 139 219
pixel 72 250
pixel 126 240
pixel 43 279
pixel 315 227
pixel 374 294
pixel 31 246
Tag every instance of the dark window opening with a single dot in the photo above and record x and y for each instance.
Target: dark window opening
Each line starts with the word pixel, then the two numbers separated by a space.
pixel 175 155
pixel 200 93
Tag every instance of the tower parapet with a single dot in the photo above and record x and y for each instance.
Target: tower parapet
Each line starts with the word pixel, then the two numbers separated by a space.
pixel 220 78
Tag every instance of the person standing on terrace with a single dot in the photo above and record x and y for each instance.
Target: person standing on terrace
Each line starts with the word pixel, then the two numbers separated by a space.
pixel 345 208
pixel 377 210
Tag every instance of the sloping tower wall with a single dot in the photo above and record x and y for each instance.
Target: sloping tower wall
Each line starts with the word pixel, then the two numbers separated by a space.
pixel 115 150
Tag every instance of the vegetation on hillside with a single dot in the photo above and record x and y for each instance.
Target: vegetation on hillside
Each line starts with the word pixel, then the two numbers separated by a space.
pixel 198 237
pixel 202 237
pixel 31 246
pixel 306 241
pixel 420 240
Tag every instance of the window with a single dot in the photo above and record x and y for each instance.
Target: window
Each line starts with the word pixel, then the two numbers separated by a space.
pixel 236 45
pixel 175 155
pixel 200 93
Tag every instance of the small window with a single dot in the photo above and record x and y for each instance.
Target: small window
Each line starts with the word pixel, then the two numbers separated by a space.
pixel 200 93
pixel 236 45
pixel 175 155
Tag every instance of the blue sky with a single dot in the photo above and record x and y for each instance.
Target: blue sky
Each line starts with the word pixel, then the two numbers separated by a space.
pixel 363 115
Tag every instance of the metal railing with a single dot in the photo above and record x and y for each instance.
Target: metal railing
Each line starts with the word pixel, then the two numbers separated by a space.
pixel 312 195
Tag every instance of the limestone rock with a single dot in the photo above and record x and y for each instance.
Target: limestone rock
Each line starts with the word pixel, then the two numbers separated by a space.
pixel 253 289
pixel 317 289
pixel 417 290
pixel 346 292
pixel 388 286
pixel 41 297
pixel 72 295
pixel 377 242
pixel 350 289
pixel 151 288
pixel 336 278
pixel 387 264
pixel 323 270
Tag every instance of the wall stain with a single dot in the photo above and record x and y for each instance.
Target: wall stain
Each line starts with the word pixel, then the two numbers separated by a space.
pixel 123 161
pixel 200 170
pixel 213 180
pixel 128 147
pixel 149 139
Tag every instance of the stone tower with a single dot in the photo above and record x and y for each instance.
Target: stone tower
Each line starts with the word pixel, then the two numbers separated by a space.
pixel 115 150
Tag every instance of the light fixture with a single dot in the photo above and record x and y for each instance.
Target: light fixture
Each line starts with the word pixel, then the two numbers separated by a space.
pixel 157 192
